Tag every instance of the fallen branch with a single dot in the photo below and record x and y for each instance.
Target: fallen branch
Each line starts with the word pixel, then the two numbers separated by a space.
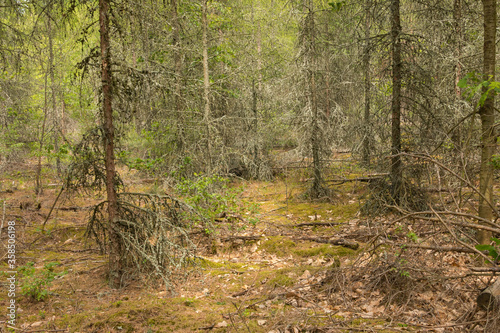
pixel 485 269
pixel 334 241
pixel 312 224
pixel 442 248
pixel 74 208
pixel 245 238
pixel 367 179
pixel 433 212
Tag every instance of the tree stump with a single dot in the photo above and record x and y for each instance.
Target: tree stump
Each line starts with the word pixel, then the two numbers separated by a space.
pixel 489 298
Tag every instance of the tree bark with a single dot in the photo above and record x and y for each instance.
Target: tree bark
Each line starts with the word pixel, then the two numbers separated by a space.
pixel 115 267
pixel 310 55
pixel 206 84
pixel 255 112
pixel 396 167
pixel 55 116
pixel 38 173
pixel 178 75
pixel 457 18
pixel 366 65
pixel 488 139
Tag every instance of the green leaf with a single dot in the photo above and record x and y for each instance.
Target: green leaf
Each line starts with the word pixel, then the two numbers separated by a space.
pixel 492 251
pixel 462 83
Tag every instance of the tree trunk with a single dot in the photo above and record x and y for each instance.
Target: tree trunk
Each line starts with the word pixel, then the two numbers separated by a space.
pixel 38 173
pixel 310 57
pixel 255 111
pixel 457 18
pixel 55 116
pixel 255 98
pixel 487 112
pixel 115 267
pixel 396 167
pixel 366 65
pixel 206 85
pixel 178 76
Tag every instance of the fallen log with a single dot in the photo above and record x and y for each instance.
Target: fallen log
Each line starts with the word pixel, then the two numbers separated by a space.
pixel 489 298
pixel 334 241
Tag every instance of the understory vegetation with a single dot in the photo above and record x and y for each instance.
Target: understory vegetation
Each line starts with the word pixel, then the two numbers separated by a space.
pixel 249 166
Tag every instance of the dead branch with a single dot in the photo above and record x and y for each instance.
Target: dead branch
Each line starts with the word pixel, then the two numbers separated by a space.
pixel 430 159
pixel 313 224
pixel 244 238
pixel 441 248
pixel 334 241
pixel 485 269
pixel 445 212
pixel 366 179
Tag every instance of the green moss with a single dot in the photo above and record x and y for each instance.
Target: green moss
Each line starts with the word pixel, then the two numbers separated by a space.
pixel 282 281
pixel 324 250
pixel 205 263
pixel 283 247
pixel 117 304
pixel 278 245
pixel 286 276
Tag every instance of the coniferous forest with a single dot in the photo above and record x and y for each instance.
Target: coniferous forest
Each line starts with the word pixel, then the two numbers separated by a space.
pixel 275 166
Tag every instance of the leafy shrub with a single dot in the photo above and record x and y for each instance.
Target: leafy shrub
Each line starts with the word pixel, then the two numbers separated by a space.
pixel 34 283
pixel 210 195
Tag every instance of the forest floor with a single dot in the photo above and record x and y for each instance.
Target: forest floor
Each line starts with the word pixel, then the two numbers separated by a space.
pixel 275 268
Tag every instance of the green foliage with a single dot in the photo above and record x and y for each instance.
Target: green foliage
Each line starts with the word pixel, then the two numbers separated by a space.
pixel 495 161
pixel 336 5
pixel 474 85
pixel 140 164
pixel 35 284
pixel 493 250
pixel 210 195
pixel 412 236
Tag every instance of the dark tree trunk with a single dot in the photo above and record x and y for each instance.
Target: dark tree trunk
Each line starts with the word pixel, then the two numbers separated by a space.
pixel 115 267
pixel 366 65
pixel 487 112
pixel 396 167
pixel 310 56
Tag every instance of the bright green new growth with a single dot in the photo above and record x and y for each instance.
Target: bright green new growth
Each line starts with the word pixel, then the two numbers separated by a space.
pixel 34 284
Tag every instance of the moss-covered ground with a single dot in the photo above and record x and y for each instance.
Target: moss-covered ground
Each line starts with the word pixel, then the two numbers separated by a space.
pixel 246 286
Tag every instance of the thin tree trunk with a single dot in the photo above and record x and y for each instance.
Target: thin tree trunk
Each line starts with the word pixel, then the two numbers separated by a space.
pixel 115 268
pixel 38 173
pixel 316 190
pixel 255 129
pixel 255 98
pixel 487 112
pixel 396 167
pixel 206 85
pixel 55 116
pixel 366 63
pixel 456 135
pixel 457 18
pixel 178 76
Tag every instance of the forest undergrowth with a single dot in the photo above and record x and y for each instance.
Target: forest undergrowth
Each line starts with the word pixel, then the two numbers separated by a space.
pixel 274 262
